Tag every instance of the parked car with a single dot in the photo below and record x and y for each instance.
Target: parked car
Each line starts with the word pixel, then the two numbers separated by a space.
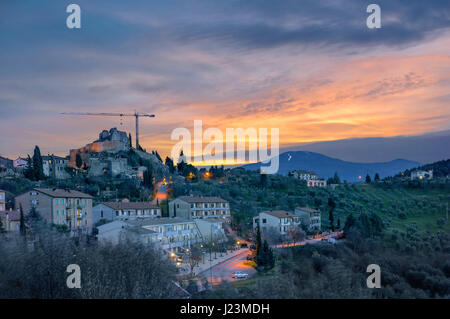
pixel 239 274
pixel 252 247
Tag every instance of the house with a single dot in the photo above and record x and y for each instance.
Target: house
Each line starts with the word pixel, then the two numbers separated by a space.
pixel 190 207
pixel 55 166
pixel 60 206
pixel 211 230
pixel 6 162
pixel 172 234
pixel 112 232
pixel 309 216
pixel 279 221
pixel 10 220
pixel 316 183
pixel 421 175
pixel 303 175
pixel 20 162
pixel 2 200
pixel 124 210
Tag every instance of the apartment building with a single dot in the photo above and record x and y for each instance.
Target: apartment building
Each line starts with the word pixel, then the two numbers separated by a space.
pixel 309 216
pixel 173 234
pixel 190 207
pixel 55 166
pixel 2 200
pixel 279 221
pixel 124 211
pixel 60 206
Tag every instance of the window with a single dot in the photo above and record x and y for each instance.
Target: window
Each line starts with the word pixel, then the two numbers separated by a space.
pixel 57 212
pixel 56 202
pixel 101 214
pixel 264 220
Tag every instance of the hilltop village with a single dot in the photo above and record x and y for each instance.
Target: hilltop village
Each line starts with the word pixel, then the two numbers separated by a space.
pixel 215 225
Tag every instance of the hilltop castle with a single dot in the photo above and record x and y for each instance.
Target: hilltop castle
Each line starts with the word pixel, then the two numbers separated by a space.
pixel 111 141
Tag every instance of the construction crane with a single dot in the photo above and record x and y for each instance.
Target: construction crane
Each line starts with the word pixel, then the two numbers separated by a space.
pixel 135 114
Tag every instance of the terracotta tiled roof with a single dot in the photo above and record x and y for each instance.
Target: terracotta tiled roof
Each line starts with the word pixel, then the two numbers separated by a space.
pixel 201 199
pixel 130 205
pixel 307 209
pixel 280 213
pixel 57 192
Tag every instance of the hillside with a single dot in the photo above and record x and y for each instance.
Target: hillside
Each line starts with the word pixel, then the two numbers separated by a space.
pixel 326 166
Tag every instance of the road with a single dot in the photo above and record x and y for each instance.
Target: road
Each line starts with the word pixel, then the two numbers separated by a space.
pixel 161 193
pixel 223 271
pixel 310 241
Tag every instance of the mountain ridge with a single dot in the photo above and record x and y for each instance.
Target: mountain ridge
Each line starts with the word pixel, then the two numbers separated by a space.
pixel 326 166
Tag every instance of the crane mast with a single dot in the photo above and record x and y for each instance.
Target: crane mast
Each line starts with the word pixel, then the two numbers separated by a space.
pixel 136 115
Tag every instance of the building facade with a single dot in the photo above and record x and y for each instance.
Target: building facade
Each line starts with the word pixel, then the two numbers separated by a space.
pixel 2 200
pixel 211 230
pixel 125 211
pixel 171 234
pixel 303 175
pixel 55 166
pixel 316 183
pixel 309 217
pixel 10 220
pixel 190 207
pixel 279 221
pixel 60 206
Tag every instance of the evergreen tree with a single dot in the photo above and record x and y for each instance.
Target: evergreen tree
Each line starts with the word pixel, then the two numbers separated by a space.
pixel 158 156
pixel 38 167
pixel 148 178
pixel 259 248
pixel 332 206
pixel 169 164
pixel 2 230
pixel 377 177
pixel 336 178
pixel 29 172
pixel 368 179
pixel 78 160
pixel 349 223
pixel 22 222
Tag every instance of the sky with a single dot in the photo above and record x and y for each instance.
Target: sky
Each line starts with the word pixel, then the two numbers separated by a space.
pixel 310 68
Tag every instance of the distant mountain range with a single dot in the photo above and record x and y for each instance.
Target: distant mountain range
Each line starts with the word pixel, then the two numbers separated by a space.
pixel 326 166
pixel 425 148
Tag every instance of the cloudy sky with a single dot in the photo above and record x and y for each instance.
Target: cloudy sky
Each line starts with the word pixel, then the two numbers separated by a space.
pixel 310 68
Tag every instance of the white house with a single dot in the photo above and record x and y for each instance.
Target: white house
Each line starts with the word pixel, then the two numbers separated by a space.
pixel 421 175
pixel 279 221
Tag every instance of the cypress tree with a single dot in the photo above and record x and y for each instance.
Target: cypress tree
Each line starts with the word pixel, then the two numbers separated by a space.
pixel 37 164
pixel 22 222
